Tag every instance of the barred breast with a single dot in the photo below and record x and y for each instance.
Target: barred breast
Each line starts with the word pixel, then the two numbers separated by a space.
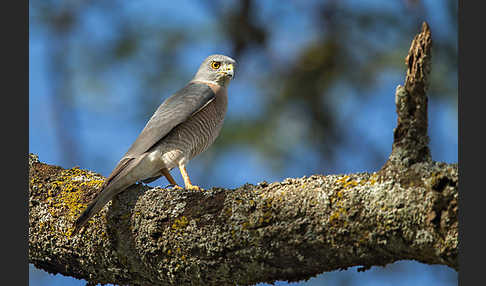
pixel 195 135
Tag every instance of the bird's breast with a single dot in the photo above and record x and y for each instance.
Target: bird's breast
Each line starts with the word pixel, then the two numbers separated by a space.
pixel 196 134
pixel 207 123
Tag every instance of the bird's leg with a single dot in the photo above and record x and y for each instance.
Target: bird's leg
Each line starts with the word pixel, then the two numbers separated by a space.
pixel 169 177
pixel 187 181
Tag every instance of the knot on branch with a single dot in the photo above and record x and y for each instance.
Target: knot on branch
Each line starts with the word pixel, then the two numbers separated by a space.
pixel 410 139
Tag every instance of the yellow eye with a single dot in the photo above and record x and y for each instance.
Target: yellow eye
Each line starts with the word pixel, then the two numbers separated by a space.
pixel 216 65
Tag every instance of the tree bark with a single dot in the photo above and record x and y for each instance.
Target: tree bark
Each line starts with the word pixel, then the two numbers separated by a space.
pixel 290 230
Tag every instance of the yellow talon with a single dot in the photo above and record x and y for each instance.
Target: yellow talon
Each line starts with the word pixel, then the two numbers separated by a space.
pixel 187 181
pixel 193 188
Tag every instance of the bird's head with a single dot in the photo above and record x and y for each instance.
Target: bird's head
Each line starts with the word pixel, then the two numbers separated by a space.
pixel 218 69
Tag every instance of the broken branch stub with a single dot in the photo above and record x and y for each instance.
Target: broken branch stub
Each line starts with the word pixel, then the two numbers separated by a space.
pixel 410 139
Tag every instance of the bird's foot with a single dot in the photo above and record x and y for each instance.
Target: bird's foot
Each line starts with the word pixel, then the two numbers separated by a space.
pixel 177 187
pixel 193 188
pixel 187 187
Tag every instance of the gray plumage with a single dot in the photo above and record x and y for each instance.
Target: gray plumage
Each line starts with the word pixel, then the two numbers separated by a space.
pixel 183 126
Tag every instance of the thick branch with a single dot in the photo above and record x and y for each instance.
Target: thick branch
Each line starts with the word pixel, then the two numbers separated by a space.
pixel 291 230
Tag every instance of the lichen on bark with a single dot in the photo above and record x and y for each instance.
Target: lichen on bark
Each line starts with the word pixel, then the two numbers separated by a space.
pixel 290 230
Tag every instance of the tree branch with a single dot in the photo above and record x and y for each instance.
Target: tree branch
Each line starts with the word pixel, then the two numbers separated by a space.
pixel 410 140
pixel 290 230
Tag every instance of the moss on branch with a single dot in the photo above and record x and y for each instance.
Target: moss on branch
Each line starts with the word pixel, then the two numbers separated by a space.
pixel 290 230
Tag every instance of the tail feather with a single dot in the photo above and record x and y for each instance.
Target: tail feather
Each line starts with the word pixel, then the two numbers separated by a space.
pixel 113 185
pixel 93 208
pixel 84 217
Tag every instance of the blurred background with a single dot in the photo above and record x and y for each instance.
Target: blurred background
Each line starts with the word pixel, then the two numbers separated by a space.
pixel 313 93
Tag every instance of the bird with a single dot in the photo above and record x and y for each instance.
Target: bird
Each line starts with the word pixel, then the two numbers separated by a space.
pixel 183 126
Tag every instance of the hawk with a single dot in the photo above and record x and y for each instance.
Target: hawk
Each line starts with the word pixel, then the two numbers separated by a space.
pixel 183 126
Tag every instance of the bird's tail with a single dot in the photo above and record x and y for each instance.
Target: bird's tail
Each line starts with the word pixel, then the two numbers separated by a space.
pixel 113 185
pixel 83 218
pixel 93 208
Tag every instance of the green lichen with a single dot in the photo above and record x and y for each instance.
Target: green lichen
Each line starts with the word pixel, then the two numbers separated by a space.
pixel 240 235
pixel 70 187
pixel 64 195
pixel 180 223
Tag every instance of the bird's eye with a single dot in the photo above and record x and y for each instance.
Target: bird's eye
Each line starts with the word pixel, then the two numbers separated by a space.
pixel 216 65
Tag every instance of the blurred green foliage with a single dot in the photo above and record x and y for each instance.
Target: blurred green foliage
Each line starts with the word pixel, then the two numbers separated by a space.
pixel 349 45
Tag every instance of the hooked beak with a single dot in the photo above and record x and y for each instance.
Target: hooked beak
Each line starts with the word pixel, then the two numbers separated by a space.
pixel 228 70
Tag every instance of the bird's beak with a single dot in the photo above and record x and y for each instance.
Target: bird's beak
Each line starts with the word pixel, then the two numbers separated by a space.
pixel 228 69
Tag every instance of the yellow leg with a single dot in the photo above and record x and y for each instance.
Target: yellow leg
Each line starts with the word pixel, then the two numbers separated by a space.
pixel 187 181
pixel 170 178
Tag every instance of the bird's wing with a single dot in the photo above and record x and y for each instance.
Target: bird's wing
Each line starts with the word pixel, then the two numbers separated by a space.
pixel 172 112
pixel 119 167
